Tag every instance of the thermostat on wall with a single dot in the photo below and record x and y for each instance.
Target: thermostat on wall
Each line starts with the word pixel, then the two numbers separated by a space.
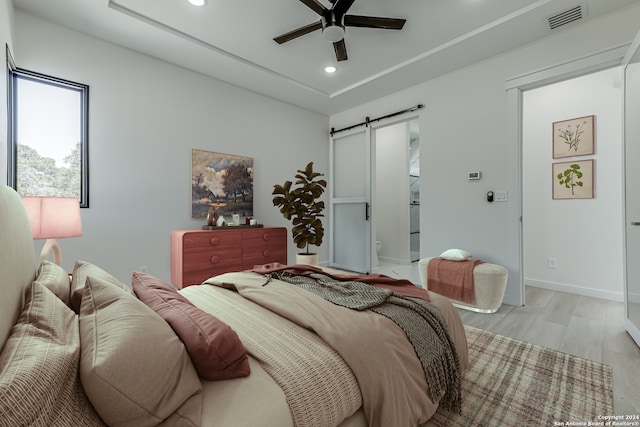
pixel 473 175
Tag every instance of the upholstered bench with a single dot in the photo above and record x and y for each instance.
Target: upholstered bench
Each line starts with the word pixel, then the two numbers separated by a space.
pixel 489 285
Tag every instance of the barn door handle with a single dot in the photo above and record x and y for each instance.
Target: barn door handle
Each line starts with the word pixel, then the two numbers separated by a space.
pixel 366 211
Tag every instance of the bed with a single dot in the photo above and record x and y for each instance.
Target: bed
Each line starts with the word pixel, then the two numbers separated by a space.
pixel 262 347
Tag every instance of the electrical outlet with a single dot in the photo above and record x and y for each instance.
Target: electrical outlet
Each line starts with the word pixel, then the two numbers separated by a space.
pixel 144 269
pixel 553 262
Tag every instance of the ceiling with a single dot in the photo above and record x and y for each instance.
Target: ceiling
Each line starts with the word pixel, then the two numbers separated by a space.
pixel 233 40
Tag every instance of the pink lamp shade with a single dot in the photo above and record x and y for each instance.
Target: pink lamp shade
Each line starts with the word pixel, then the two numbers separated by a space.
pixel 51 218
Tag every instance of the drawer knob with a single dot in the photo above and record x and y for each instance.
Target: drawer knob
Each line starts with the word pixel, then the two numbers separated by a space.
pixel 215 241
pixel 215 259
pixel 265 253
pixel 265 236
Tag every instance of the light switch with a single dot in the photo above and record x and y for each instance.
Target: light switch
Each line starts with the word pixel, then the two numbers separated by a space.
pixel 501 196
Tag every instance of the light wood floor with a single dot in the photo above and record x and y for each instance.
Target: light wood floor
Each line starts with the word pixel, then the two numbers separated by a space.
pixel 590 328
pixel 586 327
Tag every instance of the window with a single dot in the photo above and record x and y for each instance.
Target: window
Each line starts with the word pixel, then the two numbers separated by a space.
pixel 48 130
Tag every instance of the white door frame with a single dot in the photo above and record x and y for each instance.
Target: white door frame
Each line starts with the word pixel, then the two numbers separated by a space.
pixel 404 118
pixel 515 87
pixel 632 328
pixel 370 135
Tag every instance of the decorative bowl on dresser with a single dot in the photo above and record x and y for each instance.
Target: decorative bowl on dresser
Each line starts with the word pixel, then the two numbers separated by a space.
pixel 197 255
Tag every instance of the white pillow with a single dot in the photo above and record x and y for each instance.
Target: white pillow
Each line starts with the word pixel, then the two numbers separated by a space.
pixel 133 367
pixel 39 381
pixel 56 279
pixel 455 255
pixel 81 271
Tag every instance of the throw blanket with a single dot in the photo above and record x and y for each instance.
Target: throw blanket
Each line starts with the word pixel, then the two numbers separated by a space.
pixel 390 376
pixel 399 286
pixel 453 279
pixel 421 322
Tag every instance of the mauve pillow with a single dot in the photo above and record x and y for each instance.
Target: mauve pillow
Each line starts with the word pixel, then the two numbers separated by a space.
pixel 215 349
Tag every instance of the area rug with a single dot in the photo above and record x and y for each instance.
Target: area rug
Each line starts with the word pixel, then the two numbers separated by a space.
pixel 512 383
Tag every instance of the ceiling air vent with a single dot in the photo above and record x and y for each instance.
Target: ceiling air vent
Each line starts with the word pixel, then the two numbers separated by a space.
pixel 568 16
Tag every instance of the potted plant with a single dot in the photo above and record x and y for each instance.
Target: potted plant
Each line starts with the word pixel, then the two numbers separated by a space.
pixel 301 205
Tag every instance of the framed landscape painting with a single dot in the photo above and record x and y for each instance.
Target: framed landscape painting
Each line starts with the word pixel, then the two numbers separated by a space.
pixel 221 181
pixel 573 137
pixel 573 180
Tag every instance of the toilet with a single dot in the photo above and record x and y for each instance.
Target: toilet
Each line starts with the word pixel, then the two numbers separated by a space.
pixel 378 247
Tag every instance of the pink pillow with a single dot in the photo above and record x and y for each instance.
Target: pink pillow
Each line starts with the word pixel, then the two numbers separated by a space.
pixel 215 349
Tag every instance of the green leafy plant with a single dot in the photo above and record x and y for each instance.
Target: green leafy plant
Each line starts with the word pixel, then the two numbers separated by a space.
pixel 300 204
pixel 569 178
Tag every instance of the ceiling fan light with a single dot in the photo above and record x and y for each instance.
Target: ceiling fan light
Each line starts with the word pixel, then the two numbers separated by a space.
pixel 330 69
pixel 198 2
pixel 333 33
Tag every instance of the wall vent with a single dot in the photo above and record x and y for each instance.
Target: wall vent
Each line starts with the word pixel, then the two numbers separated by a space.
pixel 566 17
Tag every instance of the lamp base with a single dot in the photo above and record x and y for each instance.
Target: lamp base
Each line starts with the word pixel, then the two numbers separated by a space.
pixel 51 245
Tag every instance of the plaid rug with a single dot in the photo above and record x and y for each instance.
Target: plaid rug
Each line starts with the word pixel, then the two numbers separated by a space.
pixel 511 383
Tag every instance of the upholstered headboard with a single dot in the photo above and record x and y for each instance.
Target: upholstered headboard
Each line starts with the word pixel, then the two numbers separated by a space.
pixel 17 259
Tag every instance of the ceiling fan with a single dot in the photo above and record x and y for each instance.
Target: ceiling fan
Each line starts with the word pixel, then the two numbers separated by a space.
pixel 332 22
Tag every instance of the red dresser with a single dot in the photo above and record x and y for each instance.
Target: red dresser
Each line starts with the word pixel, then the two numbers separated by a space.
pixel 197 255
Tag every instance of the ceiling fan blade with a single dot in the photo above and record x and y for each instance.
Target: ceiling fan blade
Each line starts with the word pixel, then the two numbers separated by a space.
pixel 298 32
pixel 316 6
pixel 341 7
pixel 374 22
pixel 341 50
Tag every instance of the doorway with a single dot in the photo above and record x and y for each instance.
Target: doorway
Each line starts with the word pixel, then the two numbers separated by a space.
pixel 396 193
pixel 570 244
pixel 515 88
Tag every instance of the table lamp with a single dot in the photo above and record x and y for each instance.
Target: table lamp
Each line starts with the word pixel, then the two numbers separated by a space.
pixel 52 218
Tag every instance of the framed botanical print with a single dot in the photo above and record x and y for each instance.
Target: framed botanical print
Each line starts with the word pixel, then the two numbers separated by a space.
pixel 573 180
pixel 573 137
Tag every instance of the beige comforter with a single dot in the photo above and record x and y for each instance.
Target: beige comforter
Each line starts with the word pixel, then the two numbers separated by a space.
pixel 390 377
pixel 318 385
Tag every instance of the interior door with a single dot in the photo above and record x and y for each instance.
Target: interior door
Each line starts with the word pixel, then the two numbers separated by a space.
pixel 631 65
pixel 350 200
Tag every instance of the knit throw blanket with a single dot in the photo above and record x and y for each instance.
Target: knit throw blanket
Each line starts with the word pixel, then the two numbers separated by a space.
pixel 419 319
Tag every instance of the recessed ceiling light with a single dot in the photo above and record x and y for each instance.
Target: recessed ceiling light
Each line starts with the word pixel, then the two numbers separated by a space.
pixel 198 2
pixel 330 69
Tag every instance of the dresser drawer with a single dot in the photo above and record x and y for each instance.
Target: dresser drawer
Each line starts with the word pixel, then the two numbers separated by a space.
pixel 262 246
pixel 264 237
pixel 206 240
pixel 197 270
pixel 211 259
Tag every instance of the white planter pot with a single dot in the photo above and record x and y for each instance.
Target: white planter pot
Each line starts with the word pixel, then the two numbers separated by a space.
pixel 309 259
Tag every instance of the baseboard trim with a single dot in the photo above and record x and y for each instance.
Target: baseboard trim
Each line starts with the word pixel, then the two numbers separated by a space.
pixel 578 290
pixel 393 260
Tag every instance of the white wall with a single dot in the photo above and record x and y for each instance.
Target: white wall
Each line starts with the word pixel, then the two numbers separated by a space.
pixel 585 236
pixel 392 192
pixel 145 116
pixel 463 127
pixel 6 39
